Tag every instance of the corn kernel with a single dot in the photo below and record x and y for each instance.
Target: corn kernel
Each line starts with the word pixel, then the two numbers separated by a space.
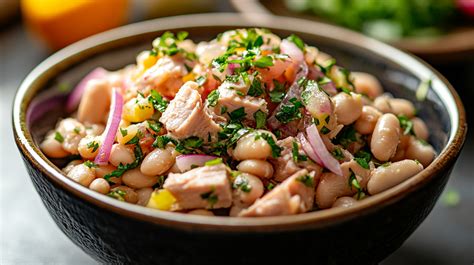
pixel 125 134
pixel 149 61
pixel 161 200
pixel 137 110
pixel 188 77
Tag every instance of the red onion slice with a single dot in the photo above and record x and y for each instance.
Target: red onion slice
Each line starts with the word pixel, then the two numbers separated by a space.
pixel 308 149
pixel 186 162
pixel 328 161
pixel 76 95
pixel 289 48
pixel 113 122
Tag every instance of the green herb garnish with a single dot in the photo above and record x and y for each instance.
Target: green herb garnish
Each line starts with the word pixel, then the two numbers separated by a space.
pixel 213 98
pixel 260 119
pixel 58 137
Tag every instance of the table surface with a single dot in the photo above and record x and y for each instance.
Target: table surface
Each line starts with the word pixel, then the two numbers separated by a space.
pixel 29 236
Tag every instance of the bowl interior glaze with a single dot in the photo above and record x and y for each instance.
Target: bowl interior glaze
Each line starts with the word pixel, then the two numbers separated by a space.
pixel 399 73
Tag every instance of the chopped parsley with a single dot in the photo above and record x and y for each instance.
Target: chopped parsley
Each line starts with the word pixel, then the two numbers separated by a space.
pixel 338 154
pixel 270 186
pixel 189 145
pixel 297 157
pixel 242 183
pixel 157 101
pixel 117 194
pixel 263 62
pixel 289 112
pixel 200 80
pixel 123 132
pixel 238 114
pixel 346 137
pixel 167 45
pixel 354 183
pixel 210 197
pixel 255 89
pixel 213 98
pixel 422 90
pixel 260 119
pixel 90 164
pixel 363 158
pixel 214 162
pixel 93 146
pixel 154 126
pixel 77 130
pixel 406 124
pixel 297 41
pixel 162 140
pixel 276 150
pixel 307 180
pixel 58 137
pixel 278 92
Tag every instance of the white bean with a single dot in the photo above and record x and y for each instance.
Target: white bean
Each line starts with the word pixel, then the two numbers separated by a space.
pixel 247 189
pixel 259 168
pixel 100 185
pixel 385 177
pixel 89 147
pixel 103 170
pixel 367 84
pixel 130 195
pixel 71 165
pixel 344 202
pixel 53 148
pixel 385 137
pixel 137 180
pixel 402 106
pixel 347 107
pixel 157 162
pixel 422 152
pixel 332 186
pixel 202 212
pixel 382 103
pixel 365 124
pixel 420 129
pixel 82 174
pixel 121 154
pixel 249 148
pixel 144 195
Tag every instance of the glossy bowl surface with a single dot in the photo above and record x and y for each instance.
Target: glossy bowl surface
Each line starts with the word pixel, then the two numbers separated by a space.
pixel 117 232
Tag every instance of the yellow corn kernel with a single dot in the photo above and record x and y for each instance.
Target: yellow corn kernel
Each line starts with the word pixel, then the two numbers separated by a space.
pixel 188 77
pixel 149 61
pixel 137 110
pixel 241 49
pixel 125 134
pixel 161 200
pixel 322 120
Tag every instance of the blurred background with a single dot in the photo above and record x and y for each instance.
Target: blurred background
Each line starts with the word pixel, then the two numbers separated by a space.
pixel 439 31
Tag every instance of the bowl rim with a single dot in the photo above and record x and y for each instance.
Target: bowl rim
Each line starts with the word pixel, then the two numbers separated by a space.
pixel 85 47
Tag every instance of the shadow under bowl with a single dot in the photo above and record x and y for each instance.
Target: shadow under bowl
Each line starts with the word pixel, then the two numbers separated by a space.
pixel 115 232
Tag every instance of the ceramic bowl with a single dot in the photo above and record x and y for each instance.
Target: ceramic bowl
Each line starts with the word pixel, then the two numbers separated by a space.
pixel 115 232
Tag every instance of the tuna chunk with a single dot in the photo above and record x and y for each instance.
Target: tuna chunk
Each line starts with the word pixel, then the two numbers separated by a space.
pixel 285 165
pixel 165 77
pixel 232 96
pixel 95 102
pixel 186 115
pixel 202 187
pixel 295 195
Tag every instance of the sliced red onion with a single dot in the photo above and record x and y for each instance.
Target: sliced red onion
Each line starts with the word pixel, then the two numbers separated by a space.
pixel 466 6
pixel 308 149
pixel 327 160
pixel 231 67
pixel 289 48
pixel 43 104
pixel 330 88
pixel 76 95
pixel 317 101
pixel 115 115
pixel 293 92
pixel 187 162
